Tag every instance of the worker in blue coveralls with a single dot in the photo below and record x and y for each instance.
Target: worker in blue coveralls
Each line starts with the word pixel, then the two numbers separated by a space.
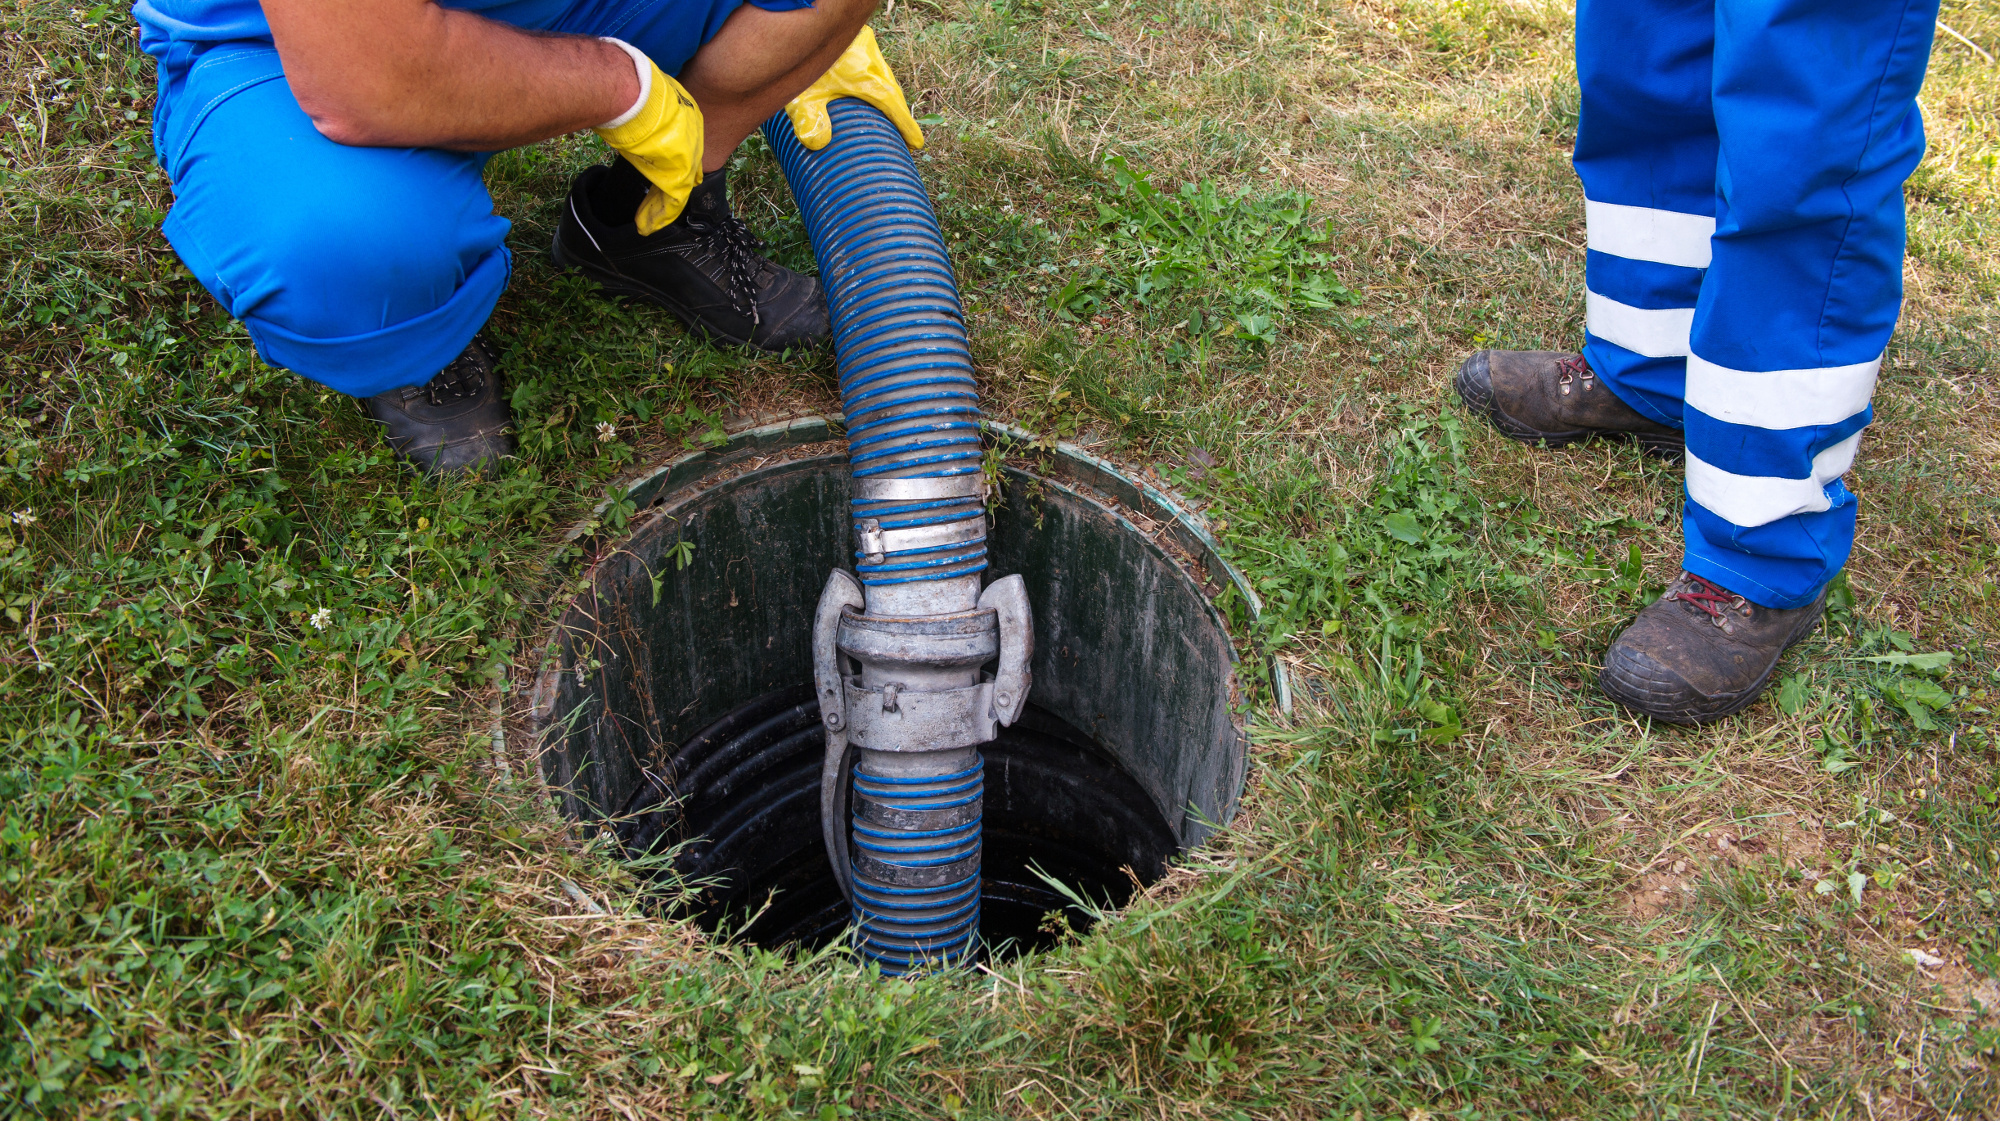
pixel 326 159
pixel 1742 165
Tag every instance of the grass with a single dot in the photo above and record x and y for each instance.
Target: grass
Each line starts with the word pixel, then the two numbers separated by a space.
pixel 258 856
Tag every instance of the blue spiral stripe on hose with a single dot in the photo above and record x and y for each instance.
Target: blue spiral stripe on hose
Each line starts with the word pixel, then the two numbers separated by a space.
pixel 879 245
pixel 876 509
pixel 953 945
pixel 863 881
pixel 965 433
pixel 879 933
pixel 933 432
pixel 934 806
pixel 936 924
pixel 962 572
pixel 889 403
pixel 919 914
pixel 868 317
pixel 917 389
pixel 938 920
pixel 939 925
pixel 943 427
pixel 930 462
pixel 858 393
pixel 921 361
pixel 911 566
pixel 904 926
pixel 927 521
pixel 871 315
pixel 920 521
pixel 956 431
pixel 911 551
pixel 912 938
pixel 891 273
pixel 865 569
pixel 914 441
pixel 856 374
pixel 950 412
pixel 910 833
pixel 922 343
pixel 912 407
pixel 865 366
pixel 906 857
pixel 918 447
pixel 914 392
pixel 963 898
pixel 922 915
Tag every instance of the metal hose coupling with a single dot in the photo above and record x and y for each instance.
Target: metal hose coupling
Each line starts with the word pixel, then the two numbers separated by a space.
pixel 897 651
pixel 898 671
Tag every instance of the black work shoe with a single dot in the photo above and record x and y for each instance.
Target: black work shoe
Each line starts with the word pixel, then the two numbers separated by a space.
pixel 1555 397
pixel 454 422
pixel 703 267
pixel 1701 652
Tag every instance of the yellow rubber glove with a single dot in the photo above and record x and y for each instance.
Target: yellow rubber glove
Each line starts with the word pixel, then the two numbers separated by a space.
pixel 860 72
pixel 662 137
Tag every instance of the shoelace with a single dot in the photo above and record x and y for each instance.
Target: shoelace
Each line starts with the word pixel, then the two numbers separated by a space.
pixel 729 239
pixel 460 379
pixel 1707 597
pixel 1569 369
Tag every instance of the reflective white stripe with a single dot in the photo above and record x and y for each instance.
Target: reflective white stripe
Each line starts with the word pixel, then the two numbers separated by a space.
pixel 1673 238
pixel 1756 501
pixel 1652 332
pixel 1781 400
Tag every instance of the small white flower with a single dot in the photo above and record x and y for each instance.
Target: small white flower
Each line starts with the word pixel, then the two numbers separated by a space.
pixel 606 431
pixel 25 516
pixel 321 618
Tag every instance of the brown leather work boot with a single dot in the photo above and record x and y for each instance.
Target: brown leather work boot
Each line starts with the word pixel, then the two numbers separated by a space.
pixel 1701 652
pixel 1555 397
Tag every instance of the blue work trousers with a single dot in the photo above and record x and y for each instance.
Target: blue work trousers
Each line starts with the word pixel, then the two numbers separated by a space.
pixel 1743 165
pixel 365 269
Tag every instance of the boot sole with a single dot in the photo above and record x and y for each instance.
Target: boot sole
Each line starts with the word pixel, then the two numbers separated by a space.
pixel 1479 400
pixel 1710 710
pixel 619 285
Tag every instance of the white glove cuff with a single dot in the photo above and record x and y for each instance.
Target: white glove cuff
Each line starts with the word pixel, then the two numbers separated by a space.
pixel 644 66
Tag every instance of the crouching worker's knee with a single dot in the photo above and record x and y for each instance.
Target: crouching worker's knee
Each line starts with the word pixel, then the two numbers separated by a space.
pixel 364 269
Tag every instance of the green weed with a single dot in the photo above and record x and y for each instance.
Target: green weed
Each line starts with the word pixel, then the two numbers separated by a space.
pixel 1230 263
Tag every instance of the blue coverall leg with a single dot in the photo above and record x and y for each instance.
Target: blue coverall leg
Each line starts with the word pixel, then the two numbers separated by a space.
pixel 365 269
pixel 1743 166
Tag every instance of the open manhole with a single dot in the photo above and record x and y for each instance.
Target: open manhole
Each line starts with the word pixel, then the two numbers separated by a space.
pixel 674 704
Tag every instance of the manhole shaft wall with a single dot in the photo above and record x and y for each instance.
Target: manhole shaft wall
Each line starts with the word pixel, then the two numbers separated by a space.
pixel 663 639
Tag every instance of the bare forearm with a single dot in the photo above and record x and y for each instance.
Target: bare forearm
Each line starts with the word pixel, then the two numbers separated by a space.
pixel 409 73
pixel 760 61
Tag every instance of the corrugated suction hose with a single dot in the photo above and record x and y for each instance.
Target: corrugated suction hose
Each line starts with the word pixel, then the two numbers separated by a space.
pixel 897 657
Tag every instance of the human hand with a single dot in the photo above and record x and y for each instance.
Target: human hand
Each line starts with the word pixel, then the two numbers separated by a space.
pixel 860 72
pixel 662 136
